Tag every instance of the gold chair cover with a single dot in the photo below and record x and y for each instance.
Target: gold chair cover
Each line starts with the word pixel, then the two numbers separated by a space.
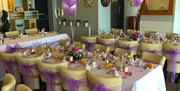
pixel 101 48
pixel 155 48
pixel 9 82
pixel 12 34
pixel 22 87
pixel 147 34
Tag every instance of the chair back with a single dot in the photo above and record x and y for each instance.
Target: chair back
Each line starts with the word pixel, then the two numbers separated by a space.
pixel 64 43
pixel 120 52
pixel 86 39
pixel 101 48
pixel 155 48
pixel 170 35
pixel 172 53
pixel 128 45
pixel 153 58
pixel 8 82
pixel 74 75
pixel 31 31
pixel 79 45
pixel 112 83
pixel 149 33
pixel 22 87
pixel 12 34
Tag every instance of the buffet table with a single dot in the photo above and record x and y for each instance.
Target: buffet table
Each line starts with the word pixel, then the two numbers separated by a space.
pixel 29 41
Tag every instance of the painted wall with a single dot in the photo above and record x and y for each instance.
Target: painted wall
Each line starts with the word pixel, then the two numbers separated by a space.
pixel 159 23
pixel 176 26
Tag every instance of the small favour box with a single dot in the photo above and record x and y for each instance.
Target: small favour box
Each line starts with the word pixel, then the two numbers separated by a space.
pixel 115 72
pixel 87 67
pixel 125 69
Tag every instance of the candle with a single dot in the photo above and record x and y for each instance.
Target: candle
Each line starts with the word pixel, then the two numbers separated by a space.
pixel 59 12
pixel 62 12
pixel 89 31
pixel 55 13
pixel 71 58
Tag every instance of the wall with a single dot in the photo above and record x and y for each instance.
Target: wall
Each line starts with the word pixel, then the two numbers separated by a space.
pixel 176 26
pixel 159 23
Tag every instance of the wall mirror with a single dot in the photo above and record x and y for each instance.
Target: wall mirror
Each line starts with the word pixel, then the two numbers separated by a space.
pixel 157 7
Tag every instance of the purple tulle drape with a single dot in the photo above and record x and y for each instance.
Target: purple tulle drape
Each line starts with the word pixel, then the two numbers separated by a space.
pixel 100 87
pixel 14 48
pixel 69 7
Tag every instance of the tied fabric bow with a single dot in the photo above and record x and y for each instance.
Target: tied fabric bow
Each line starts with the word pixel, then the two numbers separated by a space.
pixel 69 7
pixel 14 48
pixel 137 3
pixel 100 87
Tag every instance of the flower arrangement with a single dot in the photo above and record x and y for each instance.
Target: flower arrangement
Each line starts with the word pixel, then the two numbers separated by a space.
pixel 135 35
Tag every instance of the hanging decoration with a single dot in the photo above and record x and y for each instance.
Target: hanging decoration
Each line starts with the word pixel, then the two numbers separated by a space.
pixel 69 7
pixel 89 3
pixel 105 3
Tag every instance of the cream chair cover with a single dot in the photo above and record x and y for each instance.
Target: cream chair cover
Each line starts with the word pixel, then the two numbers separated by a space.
pixel 153 58
pixel 149 33
pixel 128 45
pixel 120 52
pixel 31 31
pixel 89 41
pixel 50 75
pixel 101 48
pixel 103 83
pixel 155 48
pixel 172 53
pixel 107 42
pixel 10 63
pixel 74 80
pixel 64 43
pixel 28 69
pixel 12 34
pixel 79 45
pixel 9 82
pixel 22 87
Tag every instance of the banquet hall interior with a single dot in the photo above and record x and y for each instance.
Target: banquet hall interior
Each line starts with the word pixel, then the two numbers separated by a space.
pixel 89 45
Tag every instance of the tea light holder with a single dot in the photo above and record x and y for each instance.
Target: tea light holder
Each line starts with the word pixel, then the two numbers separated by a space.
pixel 116 73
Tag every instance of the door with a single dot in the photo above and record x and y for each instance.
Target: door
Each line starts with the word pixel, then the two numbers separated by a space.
pixel 117 14
pixel 42 7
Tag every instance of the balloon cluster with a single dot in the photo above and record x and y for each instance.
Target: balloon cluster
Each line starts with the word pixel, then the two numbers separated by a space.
pixel 137 3
pixel 69 7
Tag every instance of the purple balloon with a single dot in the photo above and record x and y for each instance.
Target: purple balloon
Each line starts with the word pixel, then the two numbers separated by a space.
pixel 137 3
pixel 70 2
pixel 69 10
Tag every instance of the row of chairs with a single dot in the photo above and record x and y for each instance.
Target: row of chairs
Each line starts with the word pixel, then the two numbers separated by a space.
pixel 9 84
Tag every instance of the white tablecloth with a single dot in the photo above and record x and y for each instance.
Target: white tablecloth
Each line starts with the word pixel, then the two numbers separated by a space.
pixel 145 81
pixel 28 43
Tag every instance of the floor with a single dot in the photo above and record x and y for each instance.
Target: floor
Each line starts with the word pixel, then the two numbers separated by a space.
pixel 173 87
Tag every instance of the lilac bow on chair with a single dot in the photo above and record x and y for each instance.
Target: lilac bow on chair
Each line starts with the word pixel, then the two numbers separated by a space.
pixel 51 77
pixel 14 48
pixel 100 87
pixel 174 54
pixel 72 84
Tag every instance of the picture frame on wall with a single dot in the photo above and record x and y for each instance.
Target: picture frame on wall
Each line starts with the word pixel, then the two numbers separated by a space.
pixel 157 7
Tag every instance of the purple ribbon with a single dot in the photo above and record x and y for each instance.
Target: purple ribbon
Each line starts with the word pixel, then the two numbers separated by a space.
pixel 26 70
pixel 14 48
pixel 128 47
pixel 88 46
pixel 100 87
pixel 174 54
pixel 72 84
pixel 154 51
pixel 51 77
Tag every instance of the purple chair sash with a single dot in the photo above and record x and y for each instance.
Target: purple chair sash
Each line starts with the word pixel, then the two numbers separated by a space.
pixel 100 87
pixel 14 48
pixel 74 84
pixel 26 71
pixel 174 54
pixel 50 77
pixel 154 51
pixel 128 47
pixel 88 46
pixel 9 65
